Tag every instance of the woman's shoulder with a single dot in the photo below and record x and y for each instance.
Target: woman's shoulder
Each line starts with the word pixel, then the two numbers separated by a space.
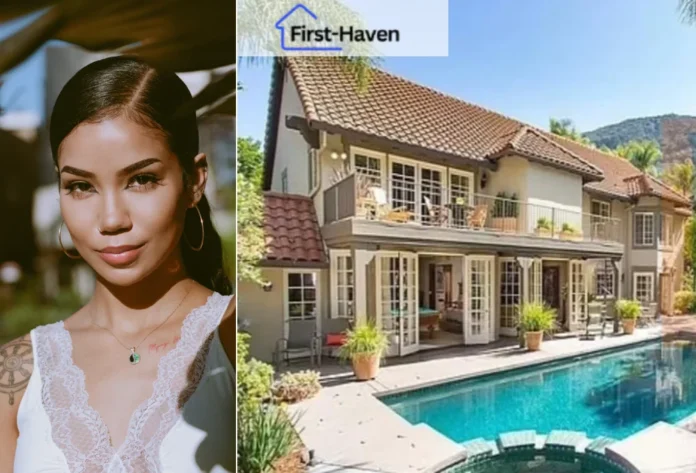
pixel 17 359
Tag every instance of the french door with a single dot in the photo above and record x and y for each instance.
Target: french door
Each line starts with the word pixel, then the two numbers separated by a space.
pixel 478 314
pixel 577 293
pixel 397 293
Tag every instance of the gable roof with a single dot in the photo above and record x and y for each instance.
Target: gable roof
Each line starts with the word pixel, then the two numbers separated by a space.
pixel 291 231
pixel 410 114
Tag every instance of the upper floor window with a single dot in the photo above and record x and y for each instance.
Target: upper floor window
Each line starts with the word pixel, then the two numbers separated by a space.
pixel 369 166
pixel 313 169
pixel 284 181
pixel 601 208
pixel 667 231
pixel 643 229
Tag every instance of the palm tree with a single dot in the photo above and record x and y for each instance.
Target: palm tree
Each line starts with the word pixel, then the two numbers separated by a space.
pixel 565 128
pixel 644 155
pixel 682 177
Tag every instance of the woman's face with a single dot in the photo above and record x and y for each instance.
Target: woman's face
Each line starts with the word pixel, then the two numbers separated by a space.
pixel 122 197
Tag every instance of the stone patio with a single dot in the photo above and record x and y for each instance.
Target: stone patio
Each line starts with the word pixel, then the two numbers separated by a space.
pixel 349 429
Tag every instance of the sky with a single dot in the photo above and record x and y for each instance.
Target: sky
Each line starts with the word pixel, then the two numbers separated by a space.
pixel 596 62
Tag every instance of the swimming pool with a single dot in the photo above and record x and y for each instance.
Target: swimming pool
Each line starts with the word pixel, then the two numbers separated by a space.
pixel 613 395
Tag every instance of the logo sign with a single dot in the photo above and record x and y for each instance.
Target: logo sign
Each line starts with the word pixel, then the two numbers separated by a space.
pixel 342 27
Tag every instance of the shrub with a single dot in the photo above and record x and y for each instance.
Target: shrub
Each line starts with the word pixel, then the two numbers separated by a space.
pixel 628 309
pixel 537 317
pixel 296 387
pixel 254 378
pixel 365 339
pixel 265 433
pixel 544 223
pixel 569 228
pixel 685 302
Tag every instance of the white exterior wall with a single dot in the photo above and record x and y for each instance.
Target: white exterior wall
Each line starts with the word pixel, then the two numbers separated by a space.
pixel 550 187
pixel 511 177
pixel 291 148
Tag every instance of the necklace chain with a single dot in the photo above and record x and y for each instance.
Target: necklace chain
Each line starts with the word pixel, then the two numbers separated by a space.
pixel 133 348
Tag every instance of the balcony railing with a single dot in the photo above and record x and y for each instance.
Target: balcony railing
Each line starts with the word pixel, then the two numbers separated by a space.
pixel 472 212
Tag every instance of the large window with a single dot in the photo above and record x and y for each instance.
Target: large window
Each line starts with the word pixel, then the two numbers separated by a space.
pixel 342 285
pixel 431 194
pixel 604 282
pixel 644 229
pixel 510 290
pixel 600 209
pixel 461 196
pixel 403 186
pixel 666 232
pixel 302 297
pixel 369 168
pixel 644 286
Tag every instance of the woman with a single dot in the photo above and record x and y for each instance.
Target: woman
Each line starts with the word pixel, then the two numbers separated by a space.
pixel 139 379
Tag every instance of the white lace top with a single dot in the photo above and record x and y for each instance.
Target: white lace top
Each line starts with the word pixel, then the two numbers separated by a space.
pixel 186 426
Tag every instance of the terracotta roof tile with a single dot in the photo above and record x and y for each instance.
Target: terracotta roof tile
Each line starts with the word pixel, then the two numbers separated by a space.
pixel 409 113
pixel 405 112
pixel 291 230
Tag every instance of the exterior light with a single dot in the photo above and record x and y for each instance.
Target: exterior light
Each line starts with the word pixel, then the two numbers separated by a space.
pixel 344 156
pixel 334 155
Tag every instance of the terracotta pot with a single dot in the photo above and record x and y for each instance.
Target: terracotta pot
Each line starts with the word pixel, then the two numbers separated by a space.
pixel 533 340
pixel 543 232
pixel 504 224
pixel 629 325
pixel 366 367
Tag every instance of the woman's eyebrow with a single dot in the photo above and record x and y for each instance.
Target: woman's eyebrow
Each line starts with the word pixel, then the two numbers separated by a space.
pixel 139 165
pixel 76 171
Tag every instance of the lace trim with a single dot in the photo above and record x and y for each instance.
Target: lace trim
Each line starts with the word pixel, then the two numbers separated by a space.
pixel 78 429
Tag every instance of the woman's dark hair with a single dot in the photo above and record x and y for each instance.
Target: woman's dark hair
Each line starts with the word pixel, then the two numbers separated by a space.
pixel 128 87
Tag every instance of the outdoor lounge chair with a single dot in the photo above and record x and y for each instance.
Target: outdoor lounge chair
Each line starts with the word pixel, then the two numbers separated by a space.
pixel 301 340
pixel 384 210
pixel 332 335
pixel 477 217
pixel 437 214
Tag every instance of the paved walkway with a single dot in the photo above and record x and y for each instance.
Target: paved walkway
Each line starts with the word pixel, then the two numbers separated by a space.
pixel 349 429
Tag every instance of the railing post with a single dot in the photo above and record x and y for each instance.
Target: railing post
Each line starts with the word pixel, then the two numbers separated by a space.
pixel 553 222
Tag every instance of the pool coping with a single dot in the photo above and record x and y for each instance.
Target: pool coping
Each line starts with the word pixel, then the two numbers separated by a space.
pixel 524 364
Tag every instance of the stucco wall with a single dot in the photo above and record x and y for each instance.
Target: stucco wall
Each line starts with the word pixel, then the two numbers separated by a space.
pixel 264 312
pixel 550 187
pixel 510 177
pixel 291 148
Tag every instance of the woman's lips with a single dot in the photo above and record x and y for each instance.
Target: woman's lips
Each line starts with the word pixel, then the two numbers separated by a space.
pixel 120 255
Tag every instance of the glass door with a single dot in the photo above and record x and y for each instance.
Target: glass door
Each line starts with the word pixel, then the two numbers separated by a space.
pixel 478 315
pixel 398 293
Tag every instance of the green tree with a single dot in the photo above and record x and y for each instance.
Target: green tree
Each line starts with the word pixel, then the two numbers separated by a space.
pixel 250 239
pixel 681 177
pixel 564 127
pixel 687 9
pixel 250 160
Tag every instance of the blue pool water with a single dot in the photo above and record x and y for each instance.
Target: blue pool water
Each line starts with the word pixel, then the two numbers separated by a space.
pixel 615 395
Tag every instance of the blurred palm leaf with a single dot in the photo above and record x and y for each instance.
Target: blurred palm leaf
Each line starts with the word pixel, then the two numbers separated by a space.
pixel 176 35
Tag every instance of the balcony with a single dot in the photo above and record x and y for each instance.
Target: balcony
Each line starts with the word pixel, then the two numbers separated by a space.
pixel 451 208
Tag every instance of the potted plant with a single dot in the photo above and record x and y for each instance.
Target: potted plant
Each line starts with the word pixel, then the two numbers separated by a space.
pixel 544 227
pixel 505 211
pixel 628 311
pixel 536 318
pixel 569 232
pixel 364 346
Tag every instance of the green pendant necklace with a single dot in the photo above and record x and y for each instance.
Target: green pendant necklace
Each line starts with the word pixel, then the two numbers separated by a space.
pixel 134 356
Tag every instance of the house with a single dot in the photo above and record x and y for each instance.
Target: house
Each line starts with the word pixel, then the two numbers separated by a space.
pixel 438 217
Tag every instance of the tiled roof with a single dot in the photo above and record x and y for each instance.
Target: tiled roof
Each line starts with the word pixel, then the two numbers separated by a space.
pixel 291 230
pixel 643 184
pixel 408 113
pixel 404 112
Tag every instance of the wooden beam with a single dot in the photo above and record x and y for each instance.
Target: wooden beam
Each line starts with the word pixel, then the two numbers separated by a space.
pixel 294 122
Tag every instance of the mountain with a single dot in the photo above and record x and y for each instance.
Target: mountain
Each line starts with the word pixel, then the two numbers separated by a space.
pixel 676 135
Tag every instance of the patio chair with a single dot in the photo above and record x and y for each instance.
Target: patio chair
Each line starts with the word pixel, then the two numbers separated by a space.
pixel 477 217
pixel 332 335
pixel 385 211
pixel 301 340
pixel 437 214
pixel 648 314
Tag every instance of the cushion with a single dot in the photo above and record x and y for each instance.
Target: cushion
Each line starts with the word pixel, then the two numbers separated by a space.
pixel 335 339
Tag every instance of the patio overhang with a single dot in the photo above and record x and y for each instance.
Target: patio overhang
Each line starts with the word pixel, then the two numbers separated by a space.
pixel 382 235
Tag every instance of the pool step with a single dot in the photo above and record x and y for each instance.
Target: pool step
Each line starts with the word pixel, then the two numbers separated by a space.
pixel 517 441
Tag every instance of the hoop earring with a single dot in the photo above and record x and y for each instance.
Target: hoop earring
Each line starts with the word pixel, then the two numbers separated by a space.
pixel 199 247
pixel 60 242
